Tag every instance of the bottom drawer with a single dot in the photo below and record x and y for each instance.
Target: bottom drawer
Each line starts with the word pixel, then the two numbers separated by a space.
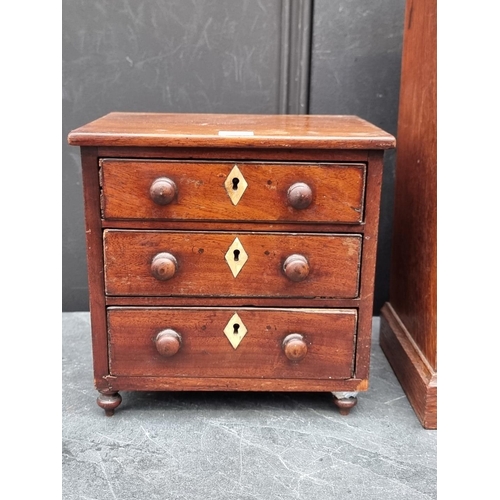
pixel 228 342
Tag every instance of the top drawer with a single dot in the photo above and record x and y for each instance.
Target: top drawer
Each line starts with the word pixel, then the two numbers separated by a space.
pixel 233 191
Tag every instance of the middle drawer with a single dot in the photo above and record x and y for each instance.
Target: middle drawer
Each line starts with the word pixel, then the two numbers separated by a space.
pixel 218 264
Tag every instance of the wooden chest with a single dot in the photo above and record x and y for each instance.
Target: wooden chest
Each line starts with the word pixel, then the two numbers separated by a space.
pixel 231 252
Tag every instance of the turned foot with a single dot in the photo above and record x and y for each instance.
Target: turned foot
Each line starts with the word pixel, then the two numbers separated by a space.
pixel 345 401
pixel 109 402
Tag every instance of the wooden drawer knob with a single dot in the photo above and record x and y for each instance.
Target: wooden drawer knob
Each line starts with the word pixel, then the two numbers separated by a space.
pixel 296 267
pixel 168 342
pixel 163 266
pixel 294 347
pixel 299 195
pixel 163 191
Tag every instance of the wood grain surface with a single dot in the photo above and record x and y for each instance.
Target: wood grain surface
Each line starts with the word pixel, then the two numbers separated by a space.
pixel 414 373
pixel 125 383
pixel 413 280
pixel 199 130
pixel 337 191
pixel 206 351
pixel 95 264
pixel 409 336
pixel 232 154
pixel 203 270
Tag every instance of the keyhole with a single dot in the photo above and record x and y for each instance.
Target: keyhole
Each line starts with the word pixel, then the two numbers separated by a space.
pixel 235 183
pixel 236 326
pixel 236 255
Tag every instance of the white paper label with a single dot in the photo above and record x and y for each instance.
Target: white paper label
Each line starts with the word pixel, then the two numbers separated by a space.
pixel 235 133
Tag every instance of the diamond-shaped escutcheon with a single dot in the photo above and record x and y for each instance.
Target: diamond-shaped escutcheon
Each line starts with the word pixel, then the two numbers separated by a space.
pixel 235 330
pixel 235 185
pixel 236 257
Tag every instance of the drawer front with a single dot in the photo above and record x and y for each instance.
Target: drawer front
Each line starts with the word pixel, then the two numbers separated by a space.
pixel 257 192
pixel 170 263
pixel 272 343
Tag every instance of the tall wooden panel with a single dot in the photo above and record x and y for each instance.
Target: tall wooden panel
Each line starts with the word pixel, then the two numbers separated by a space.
pixel 408 333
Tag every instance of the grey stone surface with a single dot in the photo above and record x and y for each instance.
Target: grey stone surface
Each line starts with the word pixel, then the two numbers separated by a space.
pixel 219 445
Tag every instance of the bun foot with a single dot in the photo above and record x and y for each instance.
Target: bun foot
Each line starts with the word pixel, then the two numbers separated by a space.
pixel 109 402
pixel 345 401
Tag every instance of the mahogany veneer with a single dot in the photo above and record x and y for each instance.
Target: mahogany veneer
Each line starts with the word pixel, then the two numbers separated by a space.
pixel 231 252
pixel 408 334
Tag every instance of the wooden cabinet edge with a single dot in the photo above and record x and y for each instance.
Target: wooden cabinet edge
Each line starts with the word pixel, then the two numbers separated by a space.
pixel 415 375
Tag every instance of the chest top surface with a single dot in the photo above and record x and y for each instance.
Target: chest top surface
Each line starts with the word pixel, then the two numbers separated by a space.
pixel 231 130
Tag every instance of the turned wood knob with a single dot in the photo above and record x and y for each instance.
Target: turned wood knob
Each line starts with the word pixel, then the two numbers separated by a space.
pixel 163 191
pixel 299 195
pixel 168 342
pixel 163 266
pixel 294 347
pixel 296 267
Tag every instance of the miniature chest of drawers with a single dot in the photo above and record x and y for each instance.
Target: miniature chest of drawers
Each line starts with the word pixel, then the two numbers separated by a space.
pixel 231 252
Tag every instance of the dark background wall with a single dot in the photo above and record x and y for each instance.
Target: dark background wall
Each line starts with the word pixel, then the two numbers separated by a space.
pixel 247 56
